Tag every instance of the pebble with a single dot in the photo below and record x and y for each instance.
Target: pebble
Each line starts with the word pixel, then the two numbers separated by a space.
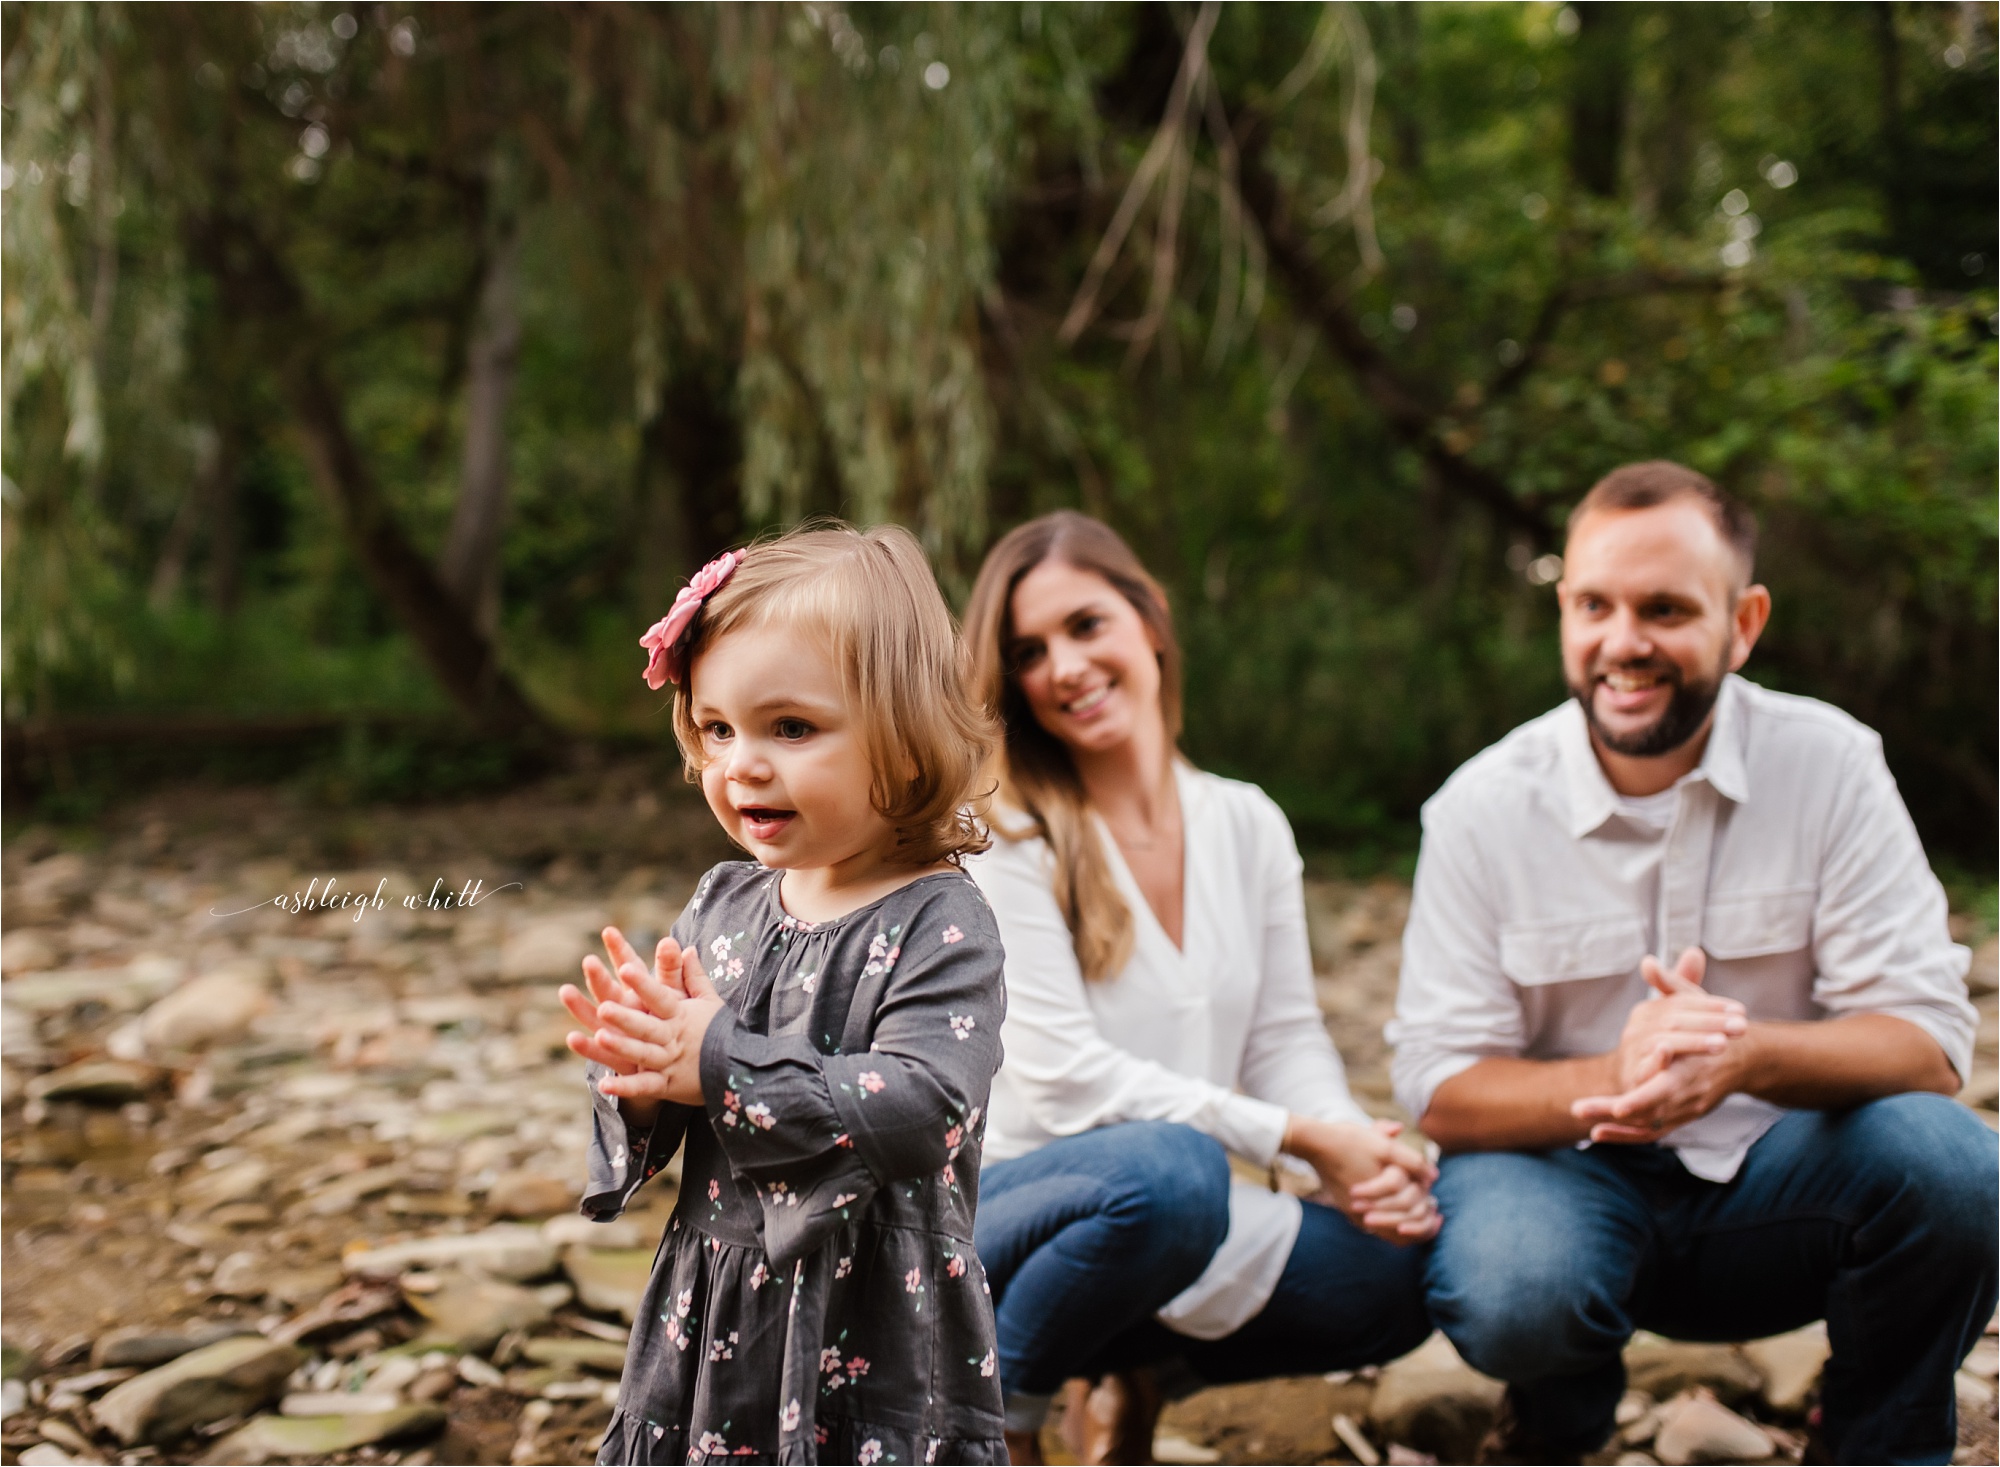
pixel 139 1346
pixel 13 1396
pixel 66 1436
pixel 27 950
pixel 1790 1365
pixel 1665 1368
pixel 44 1454
pixel 610 1280
pixel 352 1303
pixel 394 1373
pixel 528 1194
pixel 214 1008
pixel 473 1313
pixel 584 1354
pixel 120 989
pixel 476 1372
pixel 270 1437
pixel 338 1403
pixel 548 947
pixel 572 1227
pixel 72 1391
pixel 242 1275
pixel 1698 1428
pixel 506 1252
pixel 1175 1449
pixel 97 1082
pixel 202 1386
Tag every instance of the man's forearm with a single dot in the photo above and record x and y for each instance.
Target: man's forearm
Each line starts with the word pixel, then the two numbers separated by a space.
pixel 1837 1063
pixel 1503 1104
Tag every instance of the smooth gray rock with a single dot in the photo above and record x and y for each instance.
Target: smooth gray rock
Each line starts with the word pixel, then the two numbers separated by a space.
pixel 586 1354
pixel 224 1379
pixel 505 1252
pixel 213 1009
pixel 472 1313
pixel 610 1280
pixel 1791 1365
pixel 269 1438
pixel 1698 1428
pixel 97 1082
pixel 1666 1368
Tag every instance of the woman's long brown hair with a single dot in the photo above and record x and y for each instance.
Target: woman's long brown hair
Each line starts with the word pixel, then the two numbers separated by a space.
pixel 1036 775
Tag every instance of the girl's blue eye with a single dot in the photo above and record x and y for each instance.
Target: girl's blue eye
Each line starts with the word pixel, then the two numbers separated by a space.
pixel 793 728
pixel 717 730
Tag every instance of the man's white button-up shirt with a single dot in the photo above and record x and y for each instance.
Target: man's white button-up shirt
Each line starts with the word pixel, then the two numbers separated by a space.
pixel 1789 858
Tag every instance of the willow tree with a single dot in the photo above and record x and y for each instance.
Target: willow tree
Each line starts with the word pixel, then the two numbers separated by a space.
pixel 797 212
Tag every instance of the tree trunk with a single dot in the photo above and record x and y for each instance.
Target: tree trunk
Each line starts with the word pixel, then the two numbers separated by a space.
pixel 470 566
pixel 1599 86
pixel 258 287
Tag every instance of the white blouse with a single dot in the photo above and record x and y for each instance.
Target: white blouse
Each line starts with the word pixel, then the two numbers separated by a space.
pixel 1222 1034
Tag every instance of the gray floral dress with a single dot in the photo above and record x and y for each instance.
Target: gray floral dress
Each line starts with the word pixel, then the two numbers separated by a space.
pixel 816 1296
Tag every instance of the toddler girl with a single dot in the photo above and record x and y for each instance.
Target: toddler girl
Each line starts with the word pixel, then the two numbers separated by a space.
pixel 820 1028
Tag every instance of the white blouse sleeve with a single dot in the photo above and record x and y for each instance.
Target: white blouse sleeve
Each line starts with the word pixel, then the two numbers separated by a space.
pixel 1289 1058
pixel 1071 1077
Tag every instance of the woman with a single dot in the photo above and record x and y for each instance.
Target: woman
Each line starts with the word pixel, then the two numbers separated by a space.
pixel 1160 1016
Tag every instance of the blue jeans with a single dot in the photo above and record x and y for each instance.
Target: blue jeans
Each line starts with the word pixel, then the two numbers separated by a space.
pixel 1084 1239
pixel 1880 1220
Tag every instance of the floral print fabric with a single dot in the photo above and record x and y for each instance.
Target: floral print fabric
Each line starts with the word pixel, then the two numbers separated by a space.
pixel 817 1297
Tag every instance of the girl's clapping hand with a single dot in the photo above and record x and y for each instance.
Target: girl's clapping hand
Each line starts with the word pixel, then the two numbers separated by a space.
pixel 645 1025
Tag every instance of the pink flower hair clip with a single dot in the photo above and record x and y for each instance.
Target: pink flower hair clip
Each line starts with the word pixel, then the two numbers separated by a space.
pixel 666 639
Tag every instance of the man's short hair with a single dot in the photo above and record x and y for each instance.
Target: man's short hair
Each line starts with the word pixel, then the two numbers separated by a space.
pixel 1658 481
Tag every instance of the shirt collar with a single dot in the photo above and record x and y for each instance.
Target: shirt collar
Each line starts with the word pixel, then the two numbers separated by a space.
pixel 1592 800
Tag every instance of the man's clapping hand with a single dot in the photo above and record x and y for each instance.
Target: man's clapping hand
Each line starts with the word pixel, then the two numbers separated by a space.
pixel 1381 1184
pixel 1678 1059
pixel 645 1025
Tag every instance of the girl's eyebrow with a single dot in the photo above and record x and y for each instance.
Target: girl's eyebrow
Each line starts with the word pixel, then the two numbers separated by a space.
pixel 778 701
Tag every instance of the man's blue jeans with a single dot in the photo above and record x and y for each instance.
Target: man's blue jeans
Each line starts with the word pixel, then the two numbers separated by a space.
pixel 1084 1239
pixel 1880 1220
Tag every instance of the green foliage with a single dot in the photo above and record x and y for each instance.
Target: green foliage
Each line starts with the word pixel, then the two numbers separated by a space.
pixel 774 264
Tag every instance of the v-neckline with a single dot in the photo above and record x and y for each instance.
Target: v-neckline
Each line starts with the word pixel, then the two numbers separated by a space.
pixel 1131 882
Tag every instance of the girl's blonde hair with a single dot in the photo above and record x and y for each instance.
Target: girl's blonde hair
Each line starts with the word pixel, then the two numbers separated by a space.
pixel 1034 772
pixel 870 598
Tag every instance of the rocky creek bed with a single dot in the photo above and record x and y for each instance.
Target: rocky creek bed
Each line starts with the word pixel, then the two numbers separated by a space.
pixel 300 1185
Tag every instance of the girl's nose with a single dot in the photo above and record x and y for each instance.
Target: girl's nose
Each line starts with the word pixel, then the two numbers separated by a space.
pixel 747 762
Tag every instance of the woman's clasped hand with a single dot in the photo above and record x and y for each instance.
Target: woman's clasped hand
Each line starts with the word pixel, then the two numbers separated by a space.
pixel 644 1025
pixel 1382 1185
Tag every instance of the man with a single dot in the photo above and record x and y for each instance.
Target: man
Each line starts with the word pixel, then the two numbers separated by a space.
pixel 1751 1138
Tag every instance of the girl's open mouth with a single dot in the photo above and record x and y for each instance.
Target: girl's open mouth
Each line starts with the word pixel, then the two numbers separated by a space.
pixel 762 822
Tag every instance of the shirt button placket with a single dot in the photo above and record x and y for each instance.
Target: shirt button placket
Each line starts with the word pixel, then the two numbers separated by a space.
pixel 1684 872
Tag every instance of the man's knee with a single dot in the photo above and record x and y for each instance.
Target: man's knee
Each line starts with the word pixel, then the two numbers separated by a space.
pixel 1515 1283
pixel 1172 1184
pixel 1930 1155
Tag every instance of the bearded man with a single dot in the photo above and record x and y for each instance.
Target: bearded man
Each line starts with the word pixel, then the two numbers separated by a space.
pixel 1680 1005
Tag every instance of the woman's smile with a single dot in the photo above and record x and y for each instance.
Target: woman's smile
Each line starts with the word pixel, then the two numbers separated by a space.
pixel 1087 705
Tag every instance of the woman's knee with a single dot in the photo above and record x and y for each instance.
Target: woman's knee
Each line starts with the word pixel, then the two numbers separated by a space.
pixel 1172 1185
